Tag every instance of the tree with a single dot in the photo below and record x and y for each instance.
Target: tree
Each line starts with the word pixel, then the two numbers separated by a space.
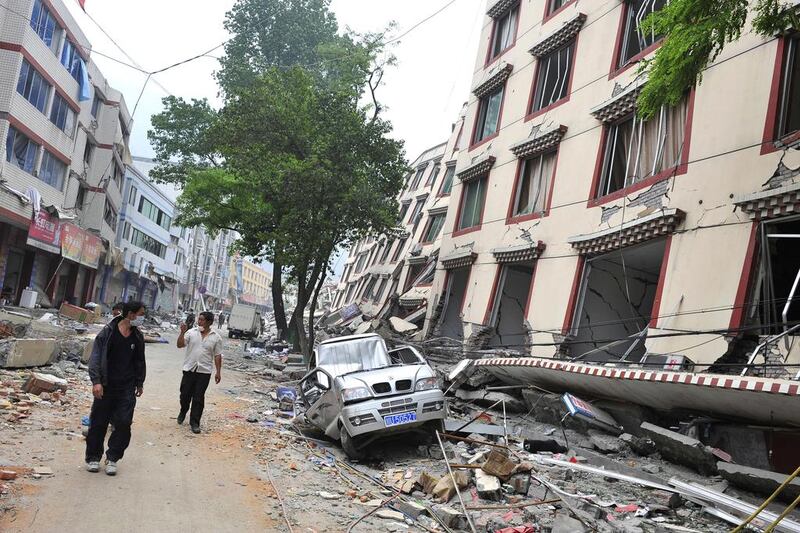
pixel 695 32
pixel 292 160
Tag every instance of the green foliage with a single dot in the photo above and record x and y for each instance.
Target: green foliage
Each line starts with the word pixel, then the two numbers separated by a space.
pixel 695 32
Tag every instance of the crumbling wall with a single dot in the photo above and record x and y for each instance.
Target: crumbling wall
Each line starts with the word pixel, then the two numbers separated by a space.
pixel 511 300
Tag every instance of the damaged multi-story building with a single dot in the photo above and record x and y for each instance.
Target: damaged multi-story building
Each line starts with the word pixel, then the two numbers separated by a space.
pixel 392 275
pixel 580 231
pixel 66 134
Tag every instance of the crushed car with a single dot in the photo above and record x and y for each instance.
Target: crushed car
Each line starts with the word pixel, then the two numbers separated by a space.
pixel 358 391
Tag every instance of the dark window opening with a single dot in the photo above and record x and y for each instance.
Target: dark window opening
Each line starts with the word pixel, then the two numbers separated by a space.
pixel 552 79
pixel 451 324
pixel 508 313
pixel 789 111
pixel 534 184
pixel 505 31
pixel 635 40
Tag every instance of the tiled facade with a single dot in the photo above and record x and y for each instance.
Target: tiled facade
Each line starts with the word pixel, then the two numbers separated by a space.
pixel 54 103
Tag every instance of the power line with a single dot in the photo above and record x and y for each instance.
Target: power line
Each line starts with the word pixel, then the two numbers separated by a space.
pixel 421 22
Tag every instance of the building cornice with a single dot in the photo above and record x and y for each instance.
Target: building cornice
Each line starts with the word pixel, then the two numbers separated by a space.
pixel 635 231
pixel 540 140
pixel 560 37
pixel 477 168
pixel 493 79
pixel 519 254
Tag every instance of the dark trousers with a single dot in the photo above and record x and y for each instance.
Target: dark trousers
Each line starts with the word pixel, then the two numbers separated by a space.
pixel 193 391
pixel 116 407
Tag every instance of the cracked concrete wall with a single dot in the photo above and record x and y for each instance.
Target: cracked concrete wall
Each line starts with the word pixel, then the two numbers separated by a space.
pixel 607 313
pixel 452 325
pixel 510 331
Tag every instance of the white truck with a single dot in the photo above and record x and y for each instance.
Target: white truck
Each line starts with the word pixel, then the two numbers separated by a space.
pixel 244 322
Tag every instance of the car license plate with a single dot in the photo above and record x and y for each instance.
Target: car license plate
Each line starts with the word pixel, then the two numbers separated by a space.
pixel 396 420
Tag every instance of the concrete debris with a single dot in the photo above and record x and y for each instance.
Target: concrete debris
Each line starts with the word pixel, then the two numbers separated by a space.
pixel 641 445
pixel 498 464
pixel 450 517
pixel 402 326
pixel 606 443
pixel 759 481
pixel 534 444
pixel 681 449
pixel 486 399
pixel 411 508
pixel 26 353
pixel 387 514
pixel 488 486
pixel 444 490
pixel 39 383
pixel 566 524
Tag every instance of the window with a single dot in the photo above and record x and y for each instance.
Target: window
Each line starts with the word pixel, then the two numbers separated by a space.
pixel 434 227
pixel 400 245
pixel 148 243
pixel 473 195
pixel 21 151
pixel 417 178
pixel 447 184
pixel 534 184
pixel 505 31
pixel 386 251
pixel 360 263
pixel 552 78
pixel 44 24
pixel 433 176
pixel 80 199
pixel 126 232
pixel 635 40
pixel 379 290
pixel 96 105
pixel 488 115
pixel 110 215
pixel 555 5
pixel 62 115
pixel 117 176
pixel 789 114
pixel 88 152
pixel 52 171
pixel 637 149
pixel 417 211
pixel 404 210
pixel 148 209
pixel 132 196
pixel 70 59
pixel 33 86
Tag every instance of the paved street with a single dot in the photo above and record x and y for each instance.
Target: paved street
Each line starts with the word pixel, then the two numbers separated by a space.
pixel 169 480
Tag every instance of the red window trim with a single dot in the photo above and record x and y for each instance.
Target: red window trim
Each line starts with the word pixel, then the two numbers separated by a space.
pixel 533 114
pixel 510 218
pixel 662 276
pixel 615 69
pixel 462 199
pixel 475 122
pixel 439 193
pixel 737 314
pixel 466 285
pixel 13 47
pixel 681 169
pixel 70 35
pixel 428 226
pixel 548 15
pixel 491 59
pixel 22 128
pixel 573 295
pixel 770 137
pixel 493 295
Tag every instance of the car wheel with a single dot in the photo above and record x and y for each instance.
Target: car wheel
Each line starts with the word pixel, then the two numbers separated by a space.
pixel 350 445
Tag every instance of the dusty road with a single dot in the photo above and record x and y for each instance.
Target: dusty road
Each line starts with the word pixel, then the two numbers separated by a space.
pixel 169 480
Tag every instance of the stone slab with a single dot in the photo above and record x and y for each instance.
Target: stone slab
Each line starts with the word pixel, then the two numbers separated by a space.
pixel 27 353
pixel 759 481
pixel 681 449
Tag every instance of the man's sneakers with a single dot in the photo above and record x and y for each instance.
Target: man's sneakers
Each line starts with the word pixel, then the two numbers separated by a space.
pixel 111 468
pixel 93 466
pixel 181 418
pixel 195 428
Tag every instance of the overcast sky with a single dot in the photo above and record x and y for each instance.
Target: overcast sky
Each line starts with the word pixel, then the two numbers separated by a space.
pixel 422 94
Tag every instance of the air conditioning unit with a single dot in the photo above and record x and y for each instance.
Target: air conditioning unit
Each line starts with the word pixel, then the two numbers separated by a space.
pixel 671 362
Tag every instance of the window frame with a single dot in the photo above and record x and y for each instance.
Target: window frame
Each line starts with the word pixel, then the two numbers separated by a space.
pixel 549 12
pixel 45 11
pixel 533 113
pixel 417 178
pixel 492 54
pixel 50 163
pixel 622 33
pixel 70 117
pixel 680 169
pixel 401 244
pixel 449 179
pixel 429 225
pixel 434 174
pixel 31 76
pixel 512 217
pixel 481 114
pixel 483 192
pixel 773 138
pixel 11 156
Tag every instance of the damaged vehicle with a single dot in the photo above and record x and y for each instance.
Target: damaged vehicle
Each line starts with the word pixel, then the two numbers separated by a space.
pixel 358 391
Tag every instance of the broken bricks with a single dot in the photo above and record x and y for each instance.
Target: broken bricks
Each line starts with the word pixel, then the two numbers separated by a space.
pixel 38 383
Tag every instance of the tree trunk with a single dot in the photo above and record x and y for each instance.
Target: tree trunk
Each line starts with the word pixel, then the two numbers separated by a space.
pixel 313 308
pixel 277 300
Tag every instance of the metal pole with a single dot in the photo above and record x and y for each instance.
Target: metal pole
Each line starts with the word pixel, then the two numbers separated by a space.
pixel 763 506
pixel 455 484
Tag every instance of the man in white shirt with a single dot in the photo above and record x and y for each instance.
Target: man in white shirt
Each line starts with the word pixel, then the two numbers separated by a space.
pixel 203 354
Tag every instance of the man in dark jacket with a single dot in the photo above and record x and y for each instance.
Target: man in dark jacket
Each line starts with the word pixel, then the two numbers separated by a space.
pixel 117 370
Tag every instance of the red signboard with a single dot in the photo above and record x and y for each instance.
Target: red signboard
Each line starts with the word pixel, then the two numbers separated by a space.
pixel 80 246
pixel 92 249
pixel 45 232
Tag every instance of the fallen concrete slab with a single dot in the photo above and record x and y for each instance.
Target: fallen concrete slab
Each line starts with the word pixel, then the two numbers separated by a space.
pixel 758 481
pixel 402 326
pixel 681 449
pixel 486 399
pixel 27 353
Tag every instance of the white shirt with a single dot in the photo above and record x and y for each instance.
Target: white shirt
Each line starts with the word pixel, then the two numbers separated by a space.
pixel 200 352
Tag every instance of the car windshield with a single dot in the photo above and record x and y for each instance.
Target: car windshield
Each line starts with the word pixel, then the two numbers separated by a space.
pixel 355 355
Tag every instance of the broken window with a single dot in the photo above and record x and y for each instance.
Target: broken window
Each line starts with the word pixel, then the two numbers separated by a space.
pixel 616 302
pixel 505 31
pixel 552 79
pixel 789 113
pixel 488 115
pixel 534 184
pixel 413 272
pixel 509 307
pixel 636 40
pixel 776 267
pixel 435 224
pixel 454 293
pixel 637 149
pixel 447 184
pixel 472 198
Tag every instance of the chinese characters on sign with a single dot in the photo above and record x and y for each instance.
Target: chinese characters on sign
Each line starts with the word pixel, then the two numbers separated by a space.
pixel 45 232
pixel 80 246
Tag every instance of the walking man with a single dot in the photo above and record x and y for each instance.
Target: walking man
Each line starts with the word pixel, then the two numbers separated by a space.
pixel 203 354
pixel 117 370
